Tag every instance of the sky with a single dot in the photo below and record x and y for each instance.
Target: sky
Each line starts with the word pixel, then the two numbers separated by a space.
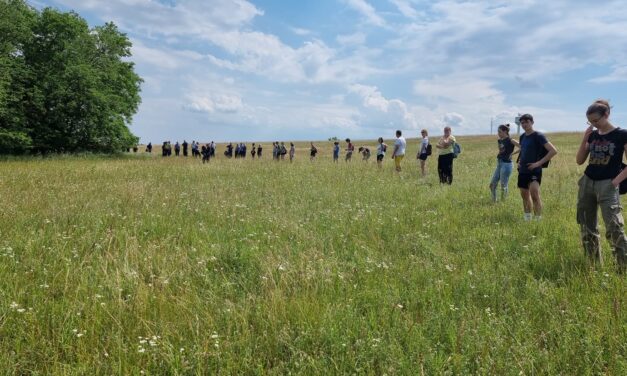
pixel 264 70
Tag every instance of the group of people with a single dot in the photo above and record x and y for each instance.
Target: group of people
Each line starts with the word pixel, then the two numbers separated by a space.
pixel 603 146
pixel 604 179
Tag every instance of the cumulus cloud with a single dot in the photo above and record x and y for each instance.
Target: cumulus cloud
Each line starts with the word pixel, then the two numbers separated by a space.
pixel 395 110
pixel 453 119
pixel 215 103
pixel 439 59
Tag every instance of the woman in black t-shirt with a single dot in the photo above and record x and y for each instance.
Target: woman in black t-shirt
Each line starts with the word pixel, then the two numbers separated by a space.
pixel 503 162
pixel 598 187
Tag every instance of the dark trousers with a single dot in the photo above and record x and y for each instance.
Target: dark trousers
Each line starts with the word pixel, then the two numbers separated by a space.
pixel 445 168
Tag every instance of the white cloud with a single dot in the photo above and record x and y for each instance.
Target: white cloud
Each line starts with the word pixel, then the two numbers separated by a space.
pixel 215 103
pixel 367 11
pixel 395 110
pixel 351 39
pixel 477 59
pixel 453 119
pixel 459 88
pixel 619 74
pixel 404 6
pixel 301 32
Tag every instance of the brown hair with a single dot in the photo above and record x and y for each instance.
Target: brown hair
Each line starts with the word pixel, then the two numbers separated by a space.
pixel 600 107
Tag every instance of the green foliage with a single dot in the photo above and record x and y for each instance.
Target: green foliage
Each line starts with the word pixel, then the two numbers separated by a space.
pixel 68 87
pixel 14 142
pixel 165 266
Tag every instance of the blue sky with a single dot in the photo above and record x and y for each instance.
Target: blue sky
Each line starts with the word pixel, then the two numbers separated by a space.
pixel 238 70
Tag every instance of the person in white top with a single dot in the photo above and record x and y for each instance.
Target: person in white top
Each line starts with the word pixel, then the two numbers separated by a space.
pixel 423 154
pixel 399 150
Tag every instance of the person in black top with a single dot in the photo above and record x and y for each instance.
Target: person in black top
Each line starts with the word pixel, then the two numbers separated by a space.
pixel 598 187
pixel 503 162
pixel 535 151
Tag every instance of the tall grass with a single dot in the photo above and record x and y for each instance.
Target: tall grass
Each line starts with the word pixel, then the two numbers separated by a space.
pixel 167 266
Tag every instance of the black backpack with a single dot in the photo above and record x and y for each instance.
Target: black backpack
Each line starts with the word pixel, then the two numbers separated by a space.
pixel 429 149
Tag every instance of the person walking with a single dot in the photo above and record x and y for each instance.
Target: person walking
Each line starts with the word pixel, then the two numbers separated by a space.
pixel 399 150
pixel 599 185
pixel 503 162
pixel 535 151
pixel 336 151
pixel 177 148
pixel 185 145
pixel 446 155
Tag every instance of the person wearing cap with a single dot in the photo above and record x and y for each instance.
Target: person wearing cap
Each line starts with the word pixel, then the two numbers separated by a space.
pixel 535 151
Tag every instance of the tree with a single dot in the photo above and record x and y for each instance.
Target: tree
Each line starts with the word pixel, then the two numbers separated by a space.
pixel 75 90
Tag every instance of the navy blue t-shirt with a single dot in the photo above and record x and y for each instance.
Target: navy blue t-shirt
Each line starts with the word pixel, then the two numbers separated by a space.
pixel 606 154
pixel 531 147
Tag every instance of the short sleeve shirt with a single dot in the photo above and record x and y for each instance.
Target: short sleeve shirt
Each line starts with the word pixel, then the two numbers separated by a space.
pixel 530 149
pixel 606 154
pixel 401 143
pixel 423 145
pixel 506 148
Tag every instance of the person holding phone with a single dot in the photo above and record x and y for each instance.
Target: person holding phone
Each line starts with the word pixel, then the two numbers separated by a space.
pixel 598 187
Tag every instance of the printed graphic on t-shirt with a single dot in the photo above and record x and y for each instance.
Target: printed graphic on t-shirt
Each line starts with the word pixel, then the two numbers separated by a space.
pixel 601 151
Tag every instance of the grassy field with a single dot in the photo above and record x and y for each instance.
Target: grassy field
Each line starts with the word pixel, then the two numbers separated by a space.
pixel 147 265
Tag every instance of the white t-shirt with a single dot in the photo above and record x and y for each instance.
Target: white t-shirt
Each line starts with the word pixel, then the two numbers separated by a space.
pixel 423 145
pixel 380 150
pixel 401 143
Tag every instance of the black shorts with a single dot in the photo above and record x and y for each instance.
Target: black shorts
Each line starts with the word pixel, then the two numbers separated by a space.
pixel 423 156
pixel 525 179
pixel 380 157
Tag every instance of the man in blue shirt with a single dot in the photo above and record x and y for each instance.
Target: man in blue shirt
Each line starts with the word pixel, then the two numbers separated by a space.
pixel 535 151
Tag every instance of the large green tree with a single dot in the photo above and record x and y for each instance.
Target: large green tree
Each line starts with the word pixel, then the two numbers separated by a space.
pixel 66 87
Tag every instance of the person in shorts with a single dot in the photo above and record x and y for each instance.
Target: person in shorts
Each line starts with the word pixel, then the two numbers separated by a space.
pixel 381 149
pixel 535 151
pixel 399 150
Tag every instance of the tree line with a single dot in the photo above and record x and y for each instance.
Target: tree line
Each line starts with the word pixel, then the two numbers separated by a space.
pixel 64 87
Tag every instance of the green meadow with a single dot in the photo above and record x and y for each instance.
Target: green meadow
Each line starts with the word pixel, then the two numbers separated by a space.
pixel 138 264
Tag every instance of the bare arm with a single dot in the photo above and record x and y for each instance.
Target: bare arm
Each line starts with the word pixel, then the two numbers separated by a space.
pixel 443 144
pixel 552 151
pixel 623 174
pixel 516 145
pixel 584 149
